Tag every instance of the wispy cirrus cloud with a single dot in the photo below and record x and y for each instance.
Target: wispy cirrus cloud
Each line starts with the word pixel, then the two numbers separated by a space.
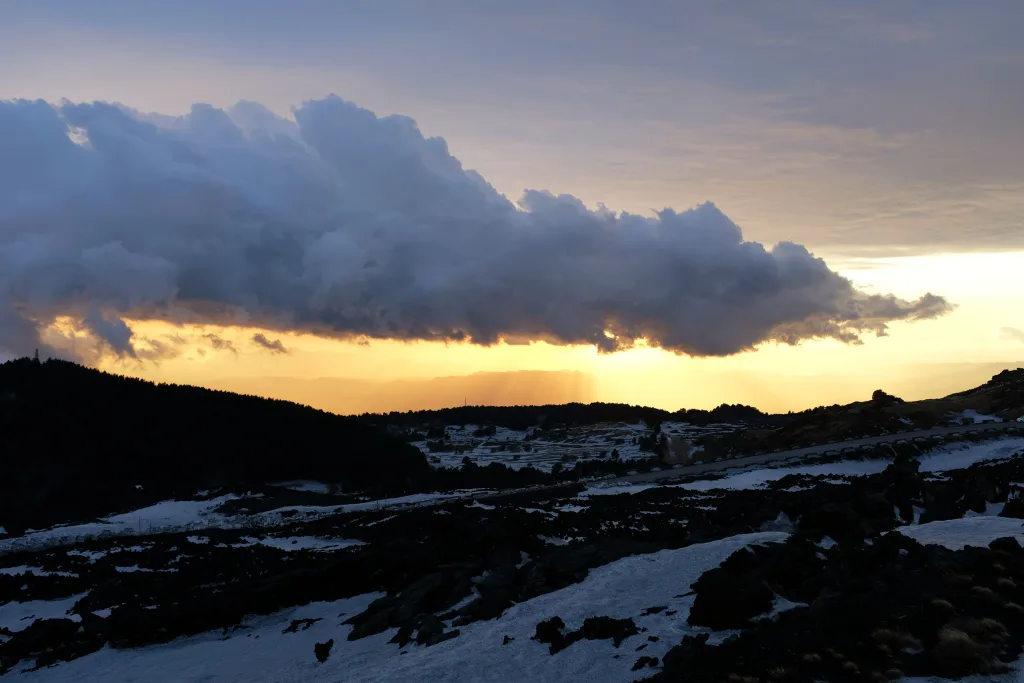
pixel 1011 334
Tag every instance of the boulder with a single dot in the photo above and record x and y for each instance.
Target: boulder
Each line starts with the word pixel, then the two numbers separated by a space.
pixel 429 627
pixel 323 650
pixel 607 628
pixel 645 661
pixel 730 602
pixel 549 631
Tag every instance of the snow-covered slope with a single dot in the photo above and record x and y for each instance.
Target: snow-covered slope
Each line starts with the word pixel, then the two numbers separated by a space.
pixel 949 457
pixel 259 651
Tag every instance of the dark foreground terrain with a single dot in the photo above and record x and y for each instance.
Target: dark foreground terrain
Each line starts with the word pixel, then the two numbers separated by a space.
pixel 858 602
pixel 903 563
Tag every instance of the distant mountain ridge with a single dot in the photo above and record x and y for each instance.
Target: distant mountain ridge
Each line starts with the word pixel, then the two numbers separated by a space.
pixel 347 396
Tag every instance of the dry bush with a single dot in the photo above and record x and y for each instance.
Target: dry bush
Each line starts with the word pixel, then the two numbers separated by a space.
pixel 1014 607
pixel 986 630
pixel 1004 583
pixel 896 640
pixel 957 654
pixel 985 594
pixel 957 580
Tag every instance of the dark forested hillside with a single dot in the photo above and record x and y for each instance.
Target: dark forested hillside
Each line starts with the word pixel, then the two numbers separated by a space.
pixel 522 417
pixel 566 415
pixel 76 441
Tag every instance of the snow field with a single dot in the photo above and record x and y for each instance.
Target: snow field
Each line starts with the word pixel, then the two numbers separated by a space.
pixel 950 457
pixel 260 652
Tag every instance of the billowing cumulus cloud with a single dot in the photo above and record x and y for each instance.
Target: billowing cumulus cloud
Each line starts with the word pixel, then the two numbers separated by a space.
pixel 344 224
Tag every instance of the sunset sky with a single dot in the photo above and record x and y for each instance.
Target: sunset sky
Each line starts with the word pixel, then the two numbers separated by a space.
pixel 264 246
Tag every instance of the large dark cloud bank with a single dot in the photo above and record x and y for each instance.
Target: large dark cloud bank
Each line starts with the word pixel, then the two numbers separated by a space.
pixel 345 224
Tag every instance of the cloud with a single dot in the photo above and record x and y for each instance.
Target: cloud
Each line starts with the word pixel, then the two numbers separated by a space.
pixel 1011 334
pixel 272 345
pixel 219 343
pixel 343 224
pixel 113 331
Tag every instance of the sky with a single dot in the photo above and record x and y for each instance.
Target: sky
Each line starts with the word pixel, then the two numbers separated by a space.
pixel 689 203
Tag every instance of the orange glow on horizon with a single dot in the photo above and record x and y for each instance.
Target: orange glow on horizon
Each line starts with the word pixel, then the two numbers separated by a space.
pixel 915 360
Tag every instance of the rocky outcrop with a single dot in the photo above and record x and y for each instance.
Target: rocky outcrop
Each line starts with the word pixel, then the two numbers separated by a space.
pixel 872 610
pixel 552 632
pixel 323 650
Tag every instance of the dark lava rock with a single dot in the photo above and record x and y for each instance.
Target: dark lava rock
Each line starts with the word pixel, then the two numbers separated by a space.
pixel 607 628
pixel 370 623
pixel 441 637
pixel 430 628
pixel 323 650
pixel 52 640
pixel 1014 508
pixel 687 652
pixel 645 661
pixel 298 624
pixel 878 611
pixel 550 633
pixel 730 603
pixel 404 636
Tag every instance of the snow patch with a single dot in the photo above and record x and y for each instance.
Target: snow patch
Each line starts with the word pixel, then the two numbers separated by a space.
pixel 17 616
pixel 951 457
pixel 991 510
pixel 956 534
pixel 303 543
pixel 305 486
pixel 757 478
pixel 34 571
pixel 977 417
pixel 170 515
pixel 615 489
pixel 93 555
pixel 962 455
